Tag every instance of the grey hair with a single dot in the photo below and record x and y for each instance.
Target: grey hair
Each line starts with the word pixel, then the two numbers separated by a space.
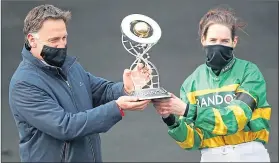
pixel 36 17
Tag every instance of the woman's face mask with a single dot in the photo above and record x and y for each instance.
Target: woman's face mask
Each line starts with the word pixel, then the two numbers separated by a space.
pixel 218 56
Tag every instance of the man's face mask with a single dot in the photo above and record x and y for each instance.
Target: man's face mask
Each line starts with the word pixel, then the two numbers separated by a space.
pixel 54 56
pixel 218 56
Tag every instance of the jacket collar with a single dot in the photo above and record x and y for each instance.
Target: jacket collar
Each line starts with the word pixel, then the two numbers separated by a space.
pixel 27 56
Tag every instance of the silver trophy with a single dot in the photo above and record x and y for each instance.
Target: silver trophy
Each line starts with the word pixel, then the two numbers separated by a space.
pixel 139 34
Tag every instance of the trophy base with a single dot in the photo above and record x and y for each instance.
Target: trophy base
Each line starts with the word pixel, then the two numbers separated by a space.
pixel 151 93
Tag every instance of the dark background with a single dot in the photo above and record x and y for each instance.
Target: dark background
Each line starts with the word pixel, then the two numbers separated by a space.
pixel 94 36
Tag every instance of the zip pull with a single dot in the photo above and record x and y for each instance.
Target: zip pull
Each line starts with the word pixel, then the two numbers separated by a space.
pixel 68 83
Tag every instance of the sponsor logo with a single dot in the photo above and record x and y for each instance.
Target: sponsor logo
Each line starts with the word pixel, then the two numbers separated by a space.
pixel 215 99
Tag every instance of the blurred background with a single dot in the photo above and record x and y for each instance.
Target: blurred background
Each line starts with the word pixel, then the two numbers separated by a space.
pixel 95 38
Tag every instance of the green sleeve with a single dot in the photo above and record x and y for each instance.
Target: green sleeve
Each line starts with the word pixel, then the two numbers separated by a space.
pixel 191 108
pixel 183 132
pixel 186 136
pixel 250 95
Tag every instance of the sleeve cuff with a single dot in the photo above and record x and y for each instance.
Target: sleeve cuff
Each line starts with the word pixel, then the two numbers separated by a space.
pixel 186 110
pixel 118 90
pixel 121 110
pixel 170 120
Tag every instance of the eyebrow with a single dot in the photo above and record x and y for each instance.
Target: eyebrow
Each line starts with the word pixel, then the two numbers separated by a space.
pixel 55 38
pixel 227 39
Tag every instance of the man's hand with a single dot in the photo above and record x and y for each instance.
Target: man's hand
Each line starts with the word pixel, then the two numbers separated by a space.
pixel 131 103
pixel 137 78
pixel 173 105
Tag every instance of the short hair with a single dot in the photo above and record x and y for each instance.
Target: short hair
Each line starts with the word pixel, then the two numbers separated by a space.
pixel 36 17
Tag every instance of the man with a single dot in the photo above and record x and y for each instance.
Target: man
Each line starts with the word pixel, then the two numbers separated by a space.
pixel 58 107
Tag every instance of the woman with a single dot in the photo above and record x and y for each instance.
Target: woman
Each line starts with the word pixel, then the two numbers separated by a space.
pixel 222 109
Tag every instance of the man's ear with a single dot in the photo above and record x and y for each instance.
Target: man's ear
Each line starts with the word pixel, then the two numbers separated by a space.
pixel 31 40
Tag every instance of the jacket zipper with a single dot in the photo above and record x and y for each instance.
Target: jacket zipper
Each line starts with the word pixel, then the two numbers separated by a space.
pixel 92 148
pixel 65 147
pixel 68 84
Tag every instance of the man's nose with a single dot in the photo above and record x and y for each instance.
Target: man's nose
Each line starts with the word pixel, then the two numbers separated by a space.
pixel 218 42
pixel 62 44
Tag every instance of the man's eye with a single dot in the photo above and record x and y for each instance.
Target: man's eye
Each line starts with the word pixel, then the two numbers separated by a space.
pixel 54 40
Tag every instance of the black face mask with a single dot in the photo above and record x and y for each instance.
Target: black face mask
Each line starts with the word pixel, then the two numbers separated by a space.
pixel 218 56
pixel 54 56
